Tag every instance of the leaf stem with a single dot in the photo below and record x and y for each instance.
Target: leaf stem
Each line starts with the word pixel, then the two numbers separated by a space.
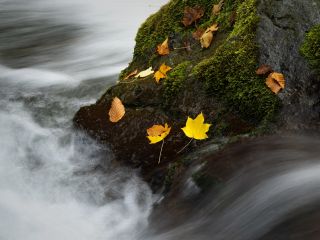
pixel 185 146
pixel 161 151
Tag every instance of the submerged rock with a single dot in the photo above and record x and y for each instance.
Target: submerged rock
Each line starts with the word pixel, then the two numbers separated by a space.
pixel 220 82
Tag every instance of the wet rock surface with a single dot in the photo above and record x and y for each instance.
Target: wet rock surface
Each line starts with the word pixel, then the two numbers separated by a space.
pixel 280 34
pixel 281 31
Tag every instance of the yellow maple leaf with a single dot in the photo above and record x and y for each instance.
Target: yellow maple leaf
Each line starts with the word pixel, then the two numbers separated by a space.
pixel 196 128
pixel 162 72
pixel 157 133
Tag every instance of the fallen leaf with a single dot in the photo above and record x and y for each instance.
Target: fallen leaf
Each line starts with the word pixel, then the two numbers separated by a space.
pixel 198 33
pixel 191 15
pixel 196 128
pixel 217 8
pixel 233 17
pixel 275 82
pixel 163 48
pixel 264 69
pixel 145 73
pixel 213 28
pixel 162 72
pixel 157 133
pixel 132 74
pixel 116 111
pixel 207 37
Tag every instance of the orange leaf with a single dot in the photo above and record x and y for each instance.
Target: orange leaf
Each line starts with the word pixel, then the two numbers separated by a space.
pixel 157 133
pixel 116 111
pixel 163 48
pixel 264 69
pixel 156 130
pixel 162 72
pixel 132 74
pixel 217 8
pixel 275 82
pixel 191 15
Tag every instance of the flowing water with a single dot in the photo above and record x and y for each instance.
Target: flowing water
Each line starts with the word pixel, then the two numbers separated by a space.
pixel 56 56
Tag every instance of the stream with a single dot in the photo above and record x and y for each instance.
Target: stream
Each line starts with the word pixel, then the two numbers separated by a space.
pixel 56 56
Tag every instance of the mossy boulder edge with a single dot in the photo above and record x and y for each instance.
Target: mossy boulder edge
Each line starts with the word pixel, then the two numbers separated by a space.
pixel 219 81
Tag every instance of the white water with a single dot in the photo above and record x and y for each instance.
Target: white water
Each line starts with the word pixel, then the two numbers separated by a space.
pixel 50 187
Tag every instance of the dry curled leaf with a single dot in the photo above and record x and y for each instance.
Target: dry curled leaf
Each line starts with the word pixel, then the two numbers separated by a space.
pixel 232 18
pixel 264 69
pixel 191 15
pixel 196 128
pixel 162 72
pixel 213 28
pixel 157 133
pixel 132 74
pixel 275 82
pixel 198 33
pixel 163 48
pixel 145 73
pixel 207 37
pixel 116 111
pixel 217 8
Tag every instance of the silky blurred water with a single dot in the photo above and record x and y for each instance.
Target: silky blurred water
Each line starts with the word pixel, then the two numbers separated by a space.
pixel 55 57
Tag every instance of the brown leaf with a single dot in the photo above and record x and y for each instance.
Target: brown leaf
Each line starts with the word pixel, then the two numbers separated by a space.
pixel 264 69
pixel 217 8
pixel 233 17
pixel 132 74
pixel 275 82
pixel 191 15
pixel 163 48
pixel 198 33
pixel 116 111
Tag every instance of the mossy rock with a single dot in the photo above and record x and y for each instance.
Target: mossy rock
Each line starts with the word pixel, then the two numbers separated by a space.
pixel 311 47
pixel 230 73
pixel 219 81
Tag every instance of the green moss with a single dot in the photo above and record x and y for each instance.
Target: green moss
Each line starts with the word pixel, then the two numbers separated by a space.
pixel 311 47
pixel 175 80
pixel 230 75
pixel 165 22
